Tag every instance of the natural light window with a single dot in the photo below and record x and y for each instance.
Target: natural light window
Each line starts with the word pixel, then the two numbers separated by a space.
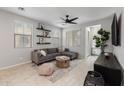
pixel 23 34
pixel 73 38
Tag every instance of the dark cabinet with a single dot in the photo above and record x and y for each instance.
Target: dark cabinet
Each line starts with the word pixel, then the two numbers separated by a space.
pixel 110 69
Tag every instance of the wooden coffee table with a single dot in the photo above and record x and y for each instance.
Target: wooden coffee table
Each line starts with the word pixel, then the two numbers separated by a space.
pixel 62 61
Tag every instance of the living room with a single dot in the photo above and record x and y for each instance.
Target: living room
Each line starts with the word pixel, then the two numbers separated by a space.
pixel 41 50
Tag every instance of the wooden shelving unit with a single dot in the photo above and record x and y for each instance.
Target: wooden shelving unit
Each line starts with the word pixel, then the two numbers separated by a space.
pixel 43 37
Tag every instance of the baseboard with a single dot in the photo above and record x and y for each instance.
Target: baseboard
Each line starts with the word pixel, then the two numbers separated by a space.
pixel 7 67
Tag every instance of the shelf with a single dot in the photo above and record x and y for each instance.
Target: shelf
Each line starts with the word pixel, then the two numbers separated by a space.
pixel 43 36
pixel 47 37
pixel 55 37
pixel 43 29
pixel 45 43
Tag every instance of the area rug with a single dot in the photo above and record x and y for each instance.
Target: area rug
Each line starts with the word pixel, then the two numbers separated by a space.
pixel 60 72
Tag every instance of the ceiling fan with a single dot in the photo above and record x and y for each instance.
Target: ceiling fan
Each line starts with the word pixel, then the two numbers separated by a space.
pixel 68 20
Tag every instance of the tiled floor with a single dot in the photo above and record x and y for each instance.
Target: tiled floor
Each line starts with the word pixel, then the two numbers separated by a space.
pixel 27 75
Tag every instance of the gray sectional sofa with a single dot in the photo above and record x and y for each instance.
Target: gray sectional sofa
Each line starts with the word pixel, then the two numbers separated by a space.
pixel 38 58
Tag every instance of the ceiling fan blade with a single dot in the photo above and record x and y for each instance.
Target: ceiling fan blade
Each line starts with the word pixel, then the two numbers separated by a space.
pixel 72 22
pixel 73 19
pixel 62 18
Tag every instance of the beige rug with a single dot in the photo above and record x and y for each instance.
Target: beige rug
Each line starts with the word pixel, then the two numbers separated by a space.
pixel 60 72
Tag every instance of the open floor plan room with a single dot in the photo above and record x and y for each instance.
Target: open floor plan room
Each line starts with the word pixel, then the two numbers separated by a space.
pixel 61 46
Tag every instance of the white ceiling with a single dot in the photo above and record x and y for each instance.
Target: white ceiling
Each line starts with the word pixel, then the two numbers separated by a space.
pixel 51 15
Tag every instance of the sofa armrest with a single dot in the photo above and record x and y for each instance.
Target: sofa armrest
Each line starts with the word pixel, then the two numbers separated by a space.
pixel 35 56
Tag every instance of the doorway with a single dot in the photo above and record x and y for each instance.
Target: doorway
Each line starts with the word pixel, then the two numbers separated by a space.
pixel 90 44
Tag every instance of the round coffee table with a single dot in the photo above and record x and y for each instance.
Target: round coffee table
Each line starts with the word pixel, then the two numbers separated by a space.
pixel 62 61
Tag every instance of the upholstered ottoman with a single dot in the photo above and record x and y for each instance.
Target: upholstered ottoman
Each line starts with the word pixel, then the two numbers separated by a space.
pixel 62 61
pixel 46 69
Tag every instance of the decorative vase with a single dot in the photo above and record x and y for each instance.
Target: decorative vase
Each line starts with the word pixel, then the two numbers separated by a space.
pixel 46 34
pixel 106 55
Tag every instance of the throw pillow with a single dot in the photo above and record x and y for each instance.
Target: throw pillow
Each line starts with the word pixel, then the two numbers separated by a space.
pixel 43 52
pixel 66 50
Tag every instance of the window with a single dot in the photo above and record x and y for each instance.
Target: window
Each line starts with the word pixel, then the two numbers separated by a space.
pixel 23 35
pixel 73 38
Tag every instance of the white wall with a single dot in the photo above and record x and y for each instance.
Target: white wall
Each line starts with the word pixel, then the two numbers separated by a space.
pixel 105 23
pixel 10 55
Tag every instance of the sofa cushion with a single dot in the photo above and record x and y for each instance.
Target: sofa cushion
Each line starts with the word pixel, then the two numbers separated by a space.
pixel 55 54
pixel 72 55
pixel 48 57
pixel 52 50
pixel 66 50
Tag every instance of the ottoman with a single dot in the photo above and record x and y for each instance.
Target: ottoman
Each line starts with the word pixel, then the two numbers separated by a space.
pixel 46 69
pixel 62 61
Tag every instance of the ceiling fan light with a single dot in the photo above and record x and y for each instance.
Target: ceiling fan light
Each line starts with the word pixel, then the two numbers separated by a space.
pixel 69 20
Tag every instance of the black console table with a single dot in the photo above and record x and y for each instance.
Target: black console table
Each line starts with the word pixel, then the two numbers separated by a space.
pixel 110 69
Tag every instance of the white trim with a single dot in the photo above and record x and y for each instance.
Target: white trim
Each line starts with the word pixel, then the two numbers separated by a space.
pixel 7 67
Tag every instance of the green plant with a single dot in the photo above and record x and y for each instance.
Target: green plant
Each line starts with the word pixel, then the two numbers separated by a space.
pixel 101 39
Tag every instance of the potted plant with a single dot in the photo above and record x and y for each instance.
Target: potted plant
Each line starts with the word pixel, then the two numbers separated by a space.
pixel 101 39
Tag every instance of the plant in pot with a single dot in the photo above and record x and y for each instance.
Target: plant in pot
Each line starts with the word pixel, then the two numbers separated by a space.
pixel 101 39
